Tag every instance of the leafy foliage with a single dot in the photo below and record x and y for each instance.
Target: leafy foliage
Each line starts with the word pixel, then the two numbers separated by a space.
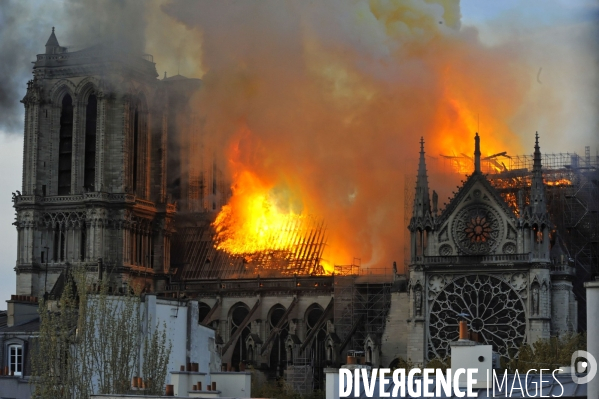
pixel 547 353
pixel 91 343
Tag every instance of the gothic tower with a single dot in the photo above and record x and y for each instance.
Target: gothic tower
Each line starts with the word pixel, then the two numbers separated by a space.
pixel 94 185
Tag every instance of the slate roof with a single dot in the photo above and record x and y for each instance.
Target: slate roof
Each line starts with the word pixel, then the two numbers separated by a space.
pixel 52 41
pixel 29 327
pixel 3 317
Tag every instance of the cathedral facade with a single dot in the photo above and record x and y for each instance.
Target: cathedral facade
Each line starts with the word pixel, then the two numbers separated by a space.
pixel 503 271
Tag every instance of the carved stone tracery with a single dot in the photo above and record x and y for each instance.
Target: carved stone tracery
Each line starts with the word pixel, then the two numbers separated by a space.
pixel 477 229
pixel 496 312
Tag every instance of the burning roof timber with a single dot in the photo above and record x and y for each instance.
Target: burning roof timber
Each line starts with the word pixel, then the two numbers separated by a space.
pixel 295 249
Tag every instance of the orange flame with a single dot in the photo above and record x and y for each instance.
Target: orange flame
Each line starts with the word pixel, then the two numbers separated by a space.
pixel 263 216
pixel 253 222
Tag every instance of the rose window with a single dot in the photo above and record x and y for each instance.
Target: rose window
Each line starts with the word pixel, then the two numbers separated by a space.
pixel 477 230
pixel 496 314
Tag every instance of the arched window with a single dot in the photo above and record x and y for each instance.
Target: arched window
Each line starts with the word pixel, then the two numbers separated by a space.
pixel 138 141
pixel 91 115
pixel 15 359
pixel 65 147
pixel 278 354
pixel 136 133
pixel 317 350
pixel 60 239
pixel 236 317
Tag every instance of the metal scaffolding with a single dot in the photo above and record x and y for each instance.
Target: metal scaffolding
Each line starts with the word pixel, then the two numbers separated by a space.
pixel 572 190
pixel 361 308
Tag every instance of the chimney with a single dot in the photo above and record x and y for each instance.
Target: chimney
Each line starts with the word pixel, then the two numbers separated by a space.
pixel 463 330
pixel 466 353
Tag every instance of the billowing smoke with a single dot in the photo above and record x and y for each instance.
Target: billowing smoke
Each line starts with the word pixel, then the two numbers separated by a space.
pixel 324 102
pixel 132 26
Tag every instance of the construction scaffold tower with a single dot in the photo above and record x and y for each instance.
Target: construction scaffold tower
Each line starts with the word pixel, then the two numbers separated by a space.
pixel 361 308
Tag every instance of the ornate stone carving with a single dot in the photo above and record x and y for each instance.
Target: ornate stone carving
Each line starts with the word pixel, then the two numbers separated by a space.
pixel 418 301
pixel 477 229
pixel 496 313
pixel 445 250
pixel 509 248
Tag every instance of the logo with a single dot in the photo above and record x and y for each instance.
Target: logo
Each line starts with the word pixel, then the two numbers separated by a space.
pixel 580 366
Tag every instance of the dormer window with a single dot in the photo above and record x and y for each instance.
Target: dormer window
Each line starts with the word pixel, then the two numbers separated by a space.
pixel 15 359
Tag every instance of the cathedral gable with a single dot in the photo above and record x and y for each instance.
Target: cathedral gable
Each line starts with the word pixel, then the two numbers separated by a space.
pixel 477 222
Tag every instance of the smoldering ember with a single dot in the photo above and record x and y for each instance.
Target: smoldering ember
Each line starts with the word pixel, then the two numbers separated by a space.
pixel 252 231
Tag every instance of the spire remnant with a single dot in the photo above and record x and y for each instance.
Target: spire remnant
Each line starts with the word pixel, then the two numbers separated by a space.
pixel 477 154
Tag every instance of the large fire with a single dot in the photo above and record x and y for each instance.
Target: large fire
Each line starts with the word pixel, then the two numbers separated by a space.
pixel 253 221
pixel 334 116
pixel 261 223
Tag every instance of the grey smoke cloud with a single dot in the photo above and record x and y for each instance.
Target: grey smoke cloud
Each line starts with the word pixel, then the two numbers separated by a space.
pixel 26 25
pixel 336 93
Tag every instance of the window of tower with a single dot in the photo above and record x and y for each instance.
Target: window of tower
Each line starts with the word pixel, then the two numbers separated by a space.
pixel 135 147
pixel 91 115
pixel 65 147
pixel 60 239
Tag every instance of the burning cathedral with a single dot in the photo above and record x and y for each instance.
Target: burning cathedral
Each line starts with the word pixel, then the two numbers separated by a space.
pixel 108 184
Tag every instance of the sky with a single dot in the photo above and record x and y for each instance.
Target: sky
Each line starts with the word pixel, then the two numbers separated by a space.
pixel 553 33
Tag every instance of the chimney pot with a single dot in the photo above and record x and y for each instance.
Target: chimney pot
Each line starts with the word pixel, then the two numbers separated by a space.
pixel 463 329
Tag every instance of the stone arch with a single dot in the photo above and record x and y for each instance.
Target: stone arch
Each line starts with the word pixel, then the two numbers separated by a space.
pixel 371 350
pixel 86 135
pixel 60 89
pixel 315 350
pixel 237 313
pixel 277 358
pixel 87 86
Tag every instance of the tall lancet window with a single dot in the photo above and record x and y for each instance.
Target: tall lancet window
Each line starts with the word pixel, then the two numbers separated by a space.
pixel 91 115
pixel 65 147
pixel 135 147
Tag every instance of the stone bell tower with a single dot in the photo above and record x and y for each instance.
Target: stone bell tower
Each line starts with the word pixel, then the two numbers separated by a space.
pixel 94 186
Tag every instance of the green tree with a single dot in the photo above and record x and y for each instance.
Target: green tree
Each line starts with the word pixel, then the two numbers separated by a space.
pixel 549 353
pixel 90 342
